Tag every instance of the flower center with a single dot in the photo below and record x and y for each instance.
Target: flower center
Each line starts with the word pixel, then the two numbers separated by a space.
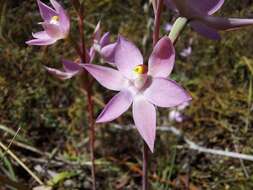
pixel 140 72
pixel 55 20
pixel 140 69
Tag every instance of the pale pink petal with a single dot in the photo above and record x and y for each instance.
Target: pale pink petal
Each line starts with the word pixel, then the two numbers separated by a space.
pixel 41 42
pixel 64 21
pixel 205 30
pixel 53 30
pixel 70 66
pixel 63 75
pixel 108 53
pixel 56 5
pixel 127 57
pixel 166 93
pixel 144 115
pixel 97 32
pixel 41 34
pixel 107 77
pixel 116 107
pixel 161 61
pixel 46 12
pixel 105 39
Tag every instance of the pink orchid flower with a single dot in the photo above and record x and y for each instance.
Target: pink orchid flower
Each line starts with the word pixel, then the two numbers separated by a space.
pixel 102 44
pixel 199 13
pixel 56 24
pixel 144 87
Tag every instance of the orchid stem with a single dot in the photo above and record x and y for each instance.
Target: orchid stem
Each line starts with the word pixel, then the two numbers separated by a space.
pixel 156 35
pixel 87 86
pixel 91 136
pixel 145 167
pixel 157 22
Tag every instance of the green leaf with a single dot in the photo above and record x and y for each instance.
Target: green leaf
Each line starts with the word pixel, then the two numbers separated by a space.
pixel 61 177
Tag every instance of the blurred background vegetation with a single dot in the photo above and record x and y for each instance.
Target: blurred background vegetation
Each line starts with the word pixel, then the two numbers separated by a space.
pixel 52 113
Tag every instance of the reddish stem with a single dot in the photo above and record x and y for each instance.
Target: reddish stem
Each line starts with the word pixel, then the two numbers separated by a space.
pixel 91 134
pixel 87 86
pixel 157 22
pixel 145 167
pixel 156 32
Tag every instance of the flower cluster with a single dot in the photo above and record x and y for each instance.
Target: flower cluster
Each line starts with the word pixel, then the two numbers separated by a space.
pixel 144 86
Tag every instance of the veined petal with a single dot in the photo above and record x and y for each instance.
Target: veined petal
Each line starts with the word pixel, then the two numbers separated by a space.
pixel 205 30
pixel 97 32
pixel 144 115
pixel 107 77
pixel 46 12
pixel 56 5
pixel 105 39
pixel 161 61
pixel 190 8
pixel 90 56
pixel 61 74
pixel 127 57
pixel 220 23
pixel 206 6
pixel 70 66
pixel 186 9
pixel 53 30
pixel 41 34
pixel 41 42
pixel 64 22
pixel 166 93
pixel 116 107
pixel 108 53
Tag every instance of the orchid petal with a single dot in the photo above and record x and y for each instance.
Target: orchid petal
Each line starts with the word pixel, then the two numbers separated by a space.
pixel 46 12
pixel 166 93
pixel 161 61
pixel 116 107
pixel 53 30
pixel 41 42
pixel 64 21
pixel 105 40
pixel 61 74
pixel 188 8
pixel 127 57
pixel 107 77
pixel 108 53
pixel 97 32
pixel 220 23
pixel 70 66
pixel 205 30
pixel 90 56
pixel 206 6
pixel 144 115
pixel 41 34
pixel 56 5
